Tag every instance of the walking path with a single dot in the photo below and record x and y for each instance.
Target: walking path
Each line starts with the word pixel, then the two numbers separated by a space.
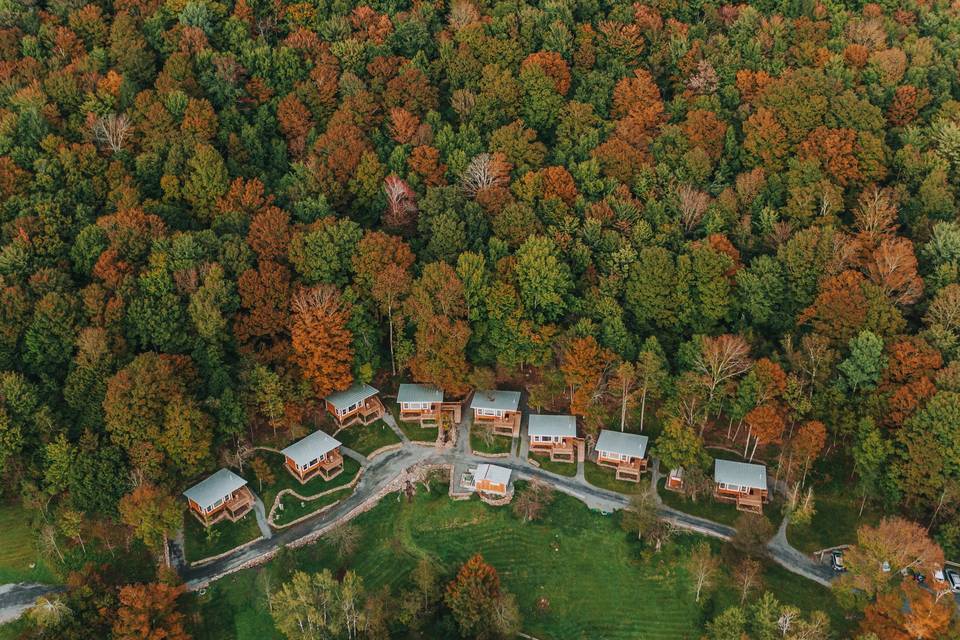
pixel 18 597
pixel 381 472
pixel 385 472
pixel 261 514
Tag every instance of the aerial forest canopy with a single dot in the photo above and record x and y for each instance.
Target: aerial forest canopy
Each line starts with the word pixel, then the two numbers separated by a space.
pixel 735 216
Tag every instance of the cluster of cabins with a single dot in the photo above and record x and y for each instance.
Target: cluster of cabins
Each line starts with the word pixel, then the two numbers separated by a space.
pixel 224 495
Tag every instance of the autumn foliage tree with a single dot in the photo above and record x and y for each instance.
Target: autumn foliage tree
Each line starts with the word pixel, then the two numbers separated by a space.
pixel 322 343
pixel 479 602
pixel 150 612
pixel 585 366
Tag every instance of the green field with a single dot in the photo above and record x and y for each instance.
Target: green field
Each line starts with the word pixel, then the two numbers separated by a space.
pixel 591 572
pixel 707 507
pixel 294 508
pixel 480 443
pixel 606 478
pixel 18 549
pixel 568 469
pixel 284 480
pixel 835 522
pixel 366 439
pixel 415 432
pixel 227 535
pixel 12 630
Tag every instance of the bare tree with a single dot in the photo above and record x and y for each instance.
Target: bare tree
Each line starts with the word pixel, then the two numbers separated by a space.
pixel 531 502
pixel 344 539
pixel 748 576
pixel 401 203
pixel 111 130
pixel 721 359
pixel 703 568
pixel 693 205
pixel 483 172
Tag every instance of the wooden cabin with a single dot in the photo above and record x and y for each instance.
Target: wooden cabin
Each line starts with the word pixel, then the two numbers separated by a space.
pixel 491 480
pixel 358 404
pixel 317 455
pixel 423 404
pixel 625 452
pixel 224 495
pixel 741 483
pixel 674 479
pixel 499 410
pixel 553 435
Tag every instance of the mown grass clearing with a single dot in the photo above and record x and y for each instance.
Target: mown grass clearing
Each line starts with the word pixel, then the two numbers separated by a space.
pixel 568 469
pixel 835 521
pixel 294 508
pixel 413 430
pixel 606 478
pixel 482 440
pixel 199 543
pixel 366 439
pixel 283 479
pixel 18 549
pixel 591 574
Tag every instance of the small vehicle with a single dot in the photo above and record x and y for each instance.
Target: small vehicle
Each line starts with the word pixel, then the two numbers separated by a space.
pixel 938 576
pixel 836 560
pixel 920 578
pixel 953 579
pixel 885 567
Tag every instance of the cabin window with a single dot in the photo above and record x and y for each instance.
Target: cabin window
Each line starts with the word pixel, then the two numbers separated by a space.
pixel 497 413
pixel 311 463
pixel 217 503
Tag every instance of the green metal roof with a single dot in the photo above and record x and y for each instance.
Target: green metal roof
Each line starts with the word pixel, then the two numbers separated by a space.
pixel 353 395
pixel 740 474
pixel 493 399
pixel 419 393
pixel 218 486
pixel 627 444
pixel 553 426
pixel 314 446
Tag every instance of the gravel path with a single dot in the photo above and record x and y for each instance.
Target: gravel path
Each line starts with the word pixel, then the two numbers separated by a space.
pixel 386 473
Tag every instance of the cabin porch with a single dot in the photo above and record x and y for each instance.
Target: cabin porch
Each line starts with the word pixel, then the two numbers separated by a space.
pixel 505 425
pixel 628 470
pixel 563 451
pixel 369 411
pixel 431 417
pixel 327 468
pixel 238 505
pixel 746 499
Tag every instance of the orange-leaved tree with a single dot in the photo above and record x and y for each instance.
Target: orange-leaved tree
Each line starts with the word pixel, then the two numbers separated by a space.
pixel 149 612
pixel 322 343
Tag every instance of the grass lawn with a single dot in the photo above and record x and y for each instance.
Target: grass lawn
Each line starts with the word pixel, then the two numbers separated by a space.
pixel 836 519
pixel 18 549
pixel 12 630
pixel 295 508
pixel 284 480
pixel 413 430
pixel 228 535
pixel 707 507
pixel 368 438
pixel 580 562
pixel 568 469
pixel 607 479
pixel 497 444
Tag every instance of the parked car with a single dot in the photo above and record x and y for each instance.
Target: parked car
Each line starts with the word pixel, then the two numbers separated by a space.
pixel 836 560
pixel 953 579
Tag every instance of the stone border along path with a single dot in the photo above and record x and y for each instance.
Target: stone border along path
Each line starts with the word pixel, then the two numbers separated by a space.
pixel 390 472
pixel 381 476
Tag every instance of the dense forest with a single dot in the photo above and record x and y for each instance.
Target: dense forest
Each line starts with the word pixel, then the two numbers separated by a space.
pixel 736 222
